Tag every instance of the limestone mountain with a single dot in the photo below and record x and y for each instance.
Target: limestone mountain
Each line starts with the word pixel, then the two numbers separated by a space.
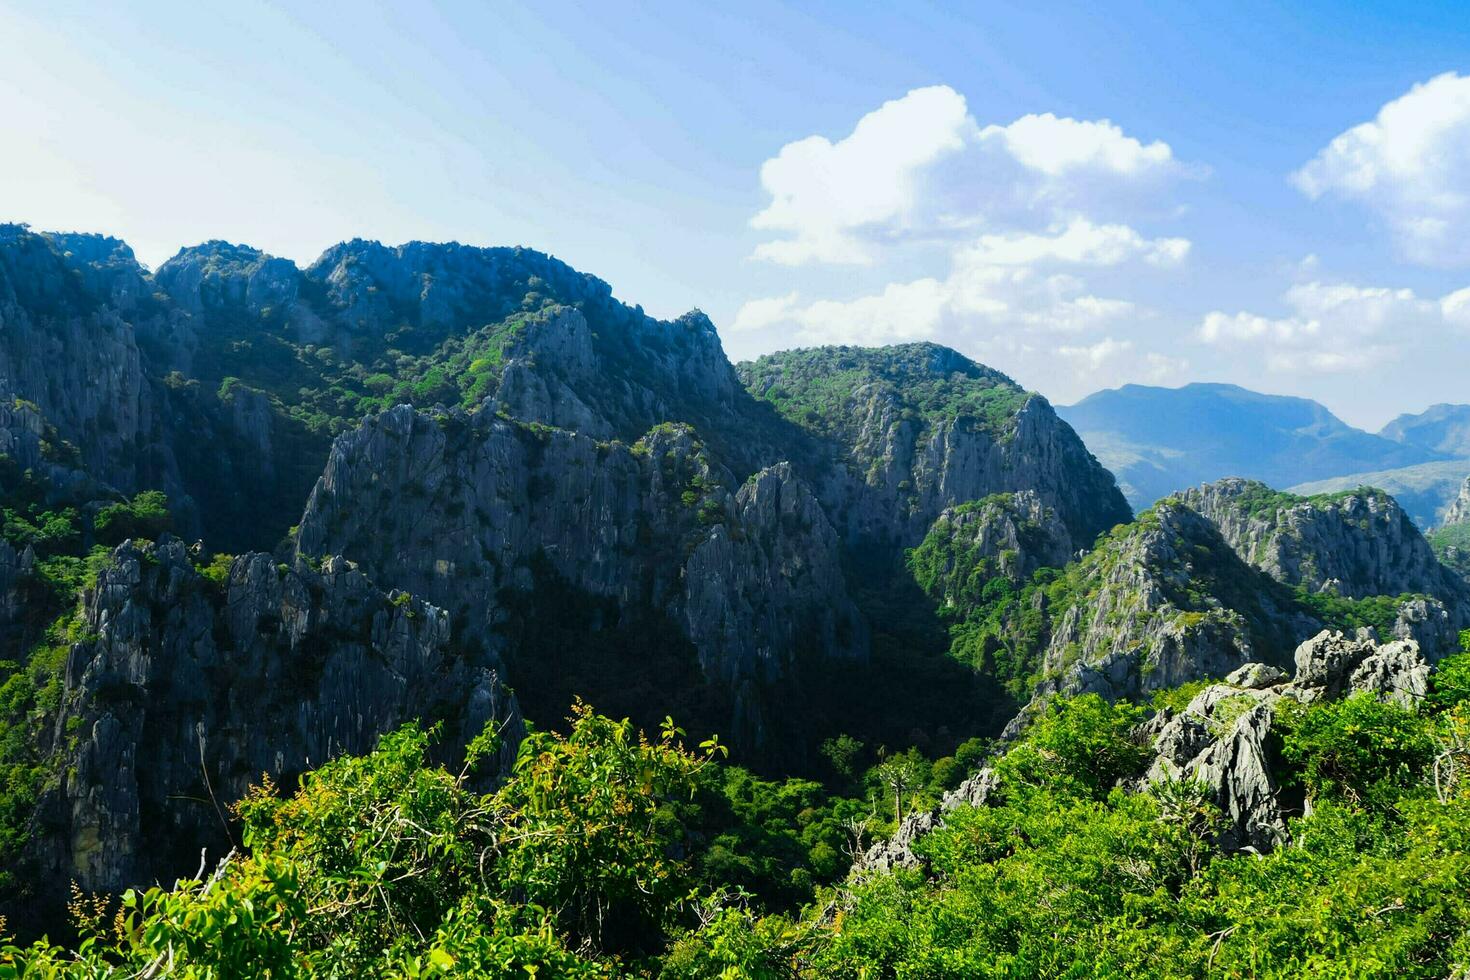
pixel 440 483
pixel 1221 740
pixel 419 477
pixel 1451 542
pixel 1162 602
pixel 183 686
pixel 1203 582
pixel 916 428
pixel 1425 490
pixel 1356 543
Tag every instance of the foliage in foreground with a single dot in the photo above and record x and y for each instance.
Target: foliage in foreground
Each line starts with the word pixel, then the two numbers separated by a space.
pixel 595 860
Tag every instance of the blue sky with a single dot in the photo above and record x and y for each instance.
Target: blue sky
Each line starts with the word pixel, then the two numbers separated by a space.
pixel 1079 194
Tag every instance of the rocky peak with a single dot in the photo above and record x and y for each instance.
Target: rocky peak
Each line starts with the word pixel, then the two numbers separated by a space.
pixel 1222 738
pixel 34 275
pixel 376 287
pixel 1355 544
pixel 1012 535
pixel 220 276
pixel 1459 510
pixel 107 267
pixel 914 429
pixel 1165 601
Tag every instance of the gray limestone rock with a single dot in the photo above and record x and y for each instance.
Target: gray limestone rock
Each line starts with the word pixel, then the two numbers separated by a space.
pixel 1255 676
pixel 184 690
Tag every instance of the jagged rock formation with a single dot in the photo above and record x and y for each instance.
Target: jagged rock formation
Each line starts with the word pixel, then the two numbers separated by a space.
pixel 898 850
pixel 1162 602
pixel 16 571
pixel 223 377
pixel 70 346
pixel 1221 740
pixel 464 507
pixel 181 690
pixel 914 429
pixel 1459 510
pixel 1355 544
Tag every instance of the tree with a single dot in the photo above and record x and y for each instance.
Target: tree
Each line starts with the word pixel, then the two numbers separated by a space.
pixel 593 830
pixel 842 753
pixel 902 773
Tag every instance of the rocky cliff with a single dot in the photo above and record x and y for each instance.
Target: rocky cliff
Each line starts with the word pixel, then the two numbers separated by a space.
pixel 70 309
pixel 182 688
pixel 1459 510
pixel 1355 544
pixel 1162 602
pixel 1008 535
pixel 470 509
pixel 914 429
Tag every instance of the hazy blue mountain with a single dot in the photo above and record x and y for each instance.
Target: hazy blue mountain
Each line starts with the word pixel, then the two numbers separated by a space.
pixel 1442 428
pixel 1159 440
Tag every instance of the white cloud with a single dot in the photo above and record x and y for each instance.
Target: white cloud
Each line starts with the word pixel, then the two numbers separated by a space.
pixel 920 168
pixel 1079 242
pixel 1057 146
pixel 1326 362
pixel 826 195
pixel 1337 327
pixel 1096 355
pixel 758 314
pixel 1000 231
pixel 1411 165
pixel 1455 308
pixel 1225 327
pixel 988 290
pixel 1161 367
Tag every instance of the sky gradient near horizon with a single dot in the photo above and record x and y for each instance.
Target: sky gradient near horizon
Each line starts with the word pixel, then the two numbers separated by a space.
pixel 1079 196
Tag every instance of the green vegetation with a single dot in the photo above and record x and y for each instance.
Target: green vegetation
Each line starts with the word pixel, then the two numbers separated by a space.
pixel 826 389
pixel 1378 612
pixel 1452 545
pixel 603 856
pixel 145 516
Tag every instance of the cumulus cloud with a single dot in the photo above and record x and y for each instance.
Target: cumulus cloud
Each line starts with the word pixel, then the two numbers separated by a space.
pixel 1455 308
pixel 920 168
pixel 1057 146
pixel 1410 165
pixel 758 314
pixel 827 196
pixel 1225 327
pixel 1003 232
pixel 1336 327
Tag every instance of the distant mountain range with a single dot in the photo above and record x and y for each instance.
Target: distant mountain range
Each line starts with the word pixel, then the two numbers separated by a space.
pixel 1441 428
pixel 1160 440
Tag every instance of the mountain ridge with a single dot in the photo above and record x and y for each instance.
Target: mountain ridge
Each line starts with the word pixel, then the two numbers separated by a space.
pixel 1161 440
